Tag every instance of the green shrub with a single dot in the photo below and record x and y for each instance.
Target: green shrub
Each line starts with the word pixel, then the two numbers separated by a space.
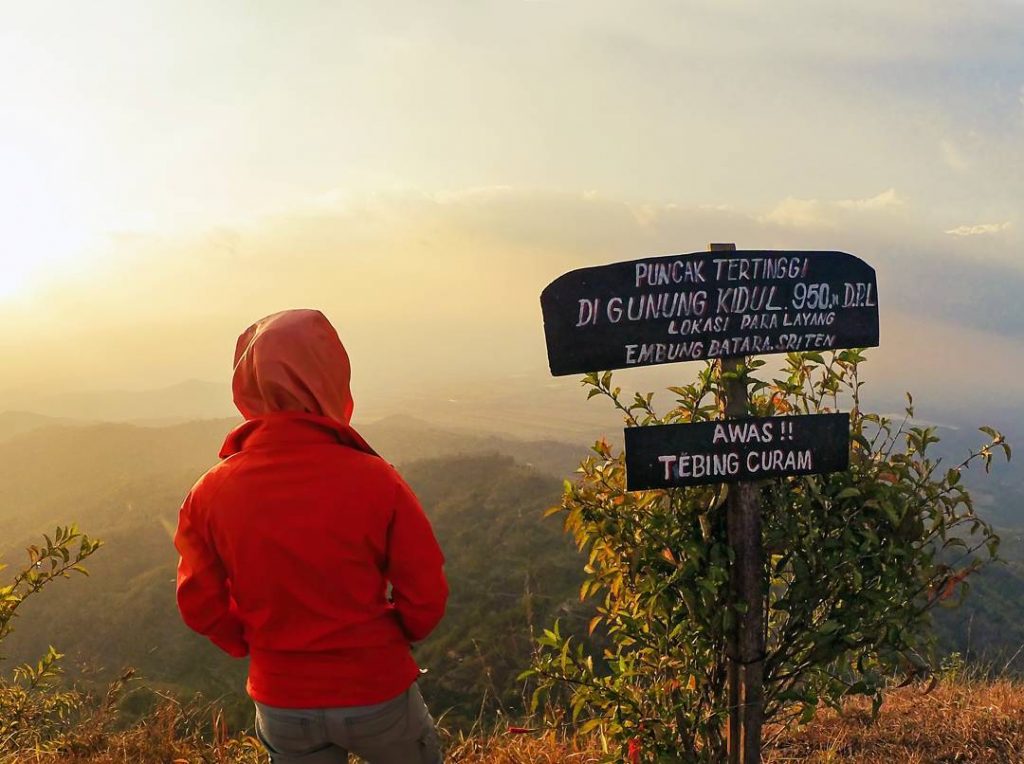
pixel 855 561
pixel 34 711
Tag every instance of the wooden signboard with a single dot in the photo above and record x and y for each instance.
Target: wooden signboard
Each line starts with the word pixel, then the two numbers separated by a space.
pixel 728 451
pixel 716 304
pixel 723 304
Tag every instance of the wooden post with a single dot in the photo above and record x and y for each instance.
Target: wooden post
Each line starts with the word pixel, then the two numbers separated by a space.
pixel 734 406
pixel 746 646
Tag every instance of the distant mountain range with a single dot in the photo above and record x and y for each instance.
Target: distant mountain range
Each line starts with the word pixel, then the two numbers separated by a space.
pixel 524 407
pixel 528 406
pixel 546 423
pixel 14 423
pixel 184 401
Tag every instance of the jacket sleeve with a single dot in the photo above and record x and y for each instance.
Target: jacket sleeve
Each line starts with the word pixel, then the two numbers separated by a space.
pixel 203 593
pixel 415 567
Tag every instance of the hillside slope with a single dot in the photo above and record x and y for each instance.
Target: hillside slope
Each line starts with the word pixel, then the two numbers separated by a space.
pixel 510 570
pixel 124 484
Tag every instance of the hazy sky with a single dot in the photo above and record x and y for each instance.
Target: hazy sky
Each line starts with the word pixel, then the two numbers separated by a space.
pixel 171 171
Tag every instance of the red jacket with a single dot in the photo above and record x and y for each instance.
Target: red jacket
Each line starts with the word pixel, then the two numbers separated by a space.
pixel 288 547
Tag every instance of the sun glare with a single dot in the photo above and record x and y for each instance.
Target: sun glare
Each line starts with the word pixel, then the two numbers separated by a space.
pixel 30 262
pixel 11 284
pixel 40 236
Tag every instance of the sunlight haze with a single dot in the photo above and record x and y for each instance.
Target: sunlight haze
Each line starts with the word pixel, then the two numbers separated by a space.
pixel 173 171
pixel 782 550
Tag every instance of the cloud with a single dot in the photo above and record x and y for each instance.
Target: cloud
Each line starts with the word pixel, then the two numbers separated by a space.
pixel 885 200
pixel 814 213
pixel 430 286
pixel 980 229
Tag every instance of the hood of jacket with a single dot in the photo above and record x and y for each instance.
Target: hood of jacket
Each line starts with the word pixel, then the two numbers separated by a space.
pixel 294 361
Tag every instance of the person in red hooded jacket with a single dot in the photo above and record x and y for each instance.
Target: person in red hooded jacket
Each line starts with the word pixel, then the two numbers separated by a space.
pixel 306 551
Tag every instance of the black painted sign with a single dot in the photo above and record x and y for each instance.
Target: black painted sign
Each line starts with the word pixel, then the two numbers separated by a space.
pixel 708 305
pixel 732 450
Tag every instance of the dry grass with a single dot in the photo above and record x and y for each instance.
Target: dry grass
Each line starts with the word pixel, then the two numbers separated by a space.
pixel 959 721
pixel 169 735
pixel 548 748
pixel 962 721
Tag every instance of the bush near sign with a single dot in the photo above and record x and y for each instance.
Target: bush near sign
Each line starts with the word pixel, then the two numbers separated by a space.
pixel 734 450
pixel 708 305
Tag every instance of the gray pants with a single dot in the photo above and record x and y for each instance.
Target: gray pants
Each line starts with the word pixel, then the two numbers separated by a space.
pixel 398 731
